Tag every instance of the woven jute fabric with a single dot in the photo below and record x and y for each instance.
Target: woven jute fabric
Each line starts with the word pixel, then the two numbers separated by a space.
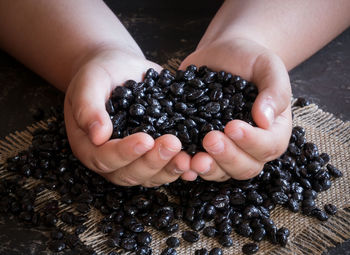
pixel 308 235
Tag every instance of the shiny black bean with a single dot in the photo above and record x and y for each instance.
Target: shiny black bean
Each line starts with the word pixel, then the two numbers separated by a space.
pixel 245 230
pixel 168 251
pixel 129 244
pixel 216 251
pixel 330 209
pixel 57 246
pixel 143 250
pixel 301 102
pixel 202 251
pixel 225 241
pixel 177 88
pixel 173 242
pixel 144 238
pixel 190 236
pixel 137 110
pixel 319 214
pixel 198 224
pixel 250 248
pixel 335 172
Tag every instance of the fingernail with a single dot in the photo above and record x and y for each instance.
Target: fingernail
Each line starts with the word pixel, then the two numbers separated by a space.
pixel 140 148
pixel 206 170
pixel 269 113
pixel 178 171
pixel 236 135
pixel 216 147
pixel 166 153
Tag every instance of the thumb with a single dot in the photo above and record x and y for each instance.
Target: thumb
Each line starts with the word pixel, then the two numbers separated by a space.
pixel 272 80
pixel 87 95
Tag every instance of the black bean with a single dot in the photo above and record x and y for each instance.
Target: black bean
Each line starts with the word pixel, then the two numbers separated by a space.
pixel 144 250
pixel 335 172
pixel 190 236
pixel 224 228
pixel 50 219
pixel 250 248
pixel 129 244
pixel 319 214
pixel 151 73
pixel 226 241
pixel 169 251
pixel 57 235
pixel 216 251
pixel 172 228
pixel 330 209
pixel 309 202
pixel 114 242
pixel 220 201
pixel 121 92
pixel 293 205
pixel 202 251
pixel 57 246
pixel 83 208
pixel 282 240
pixel 80 229
pixel 173 242
pixel 279 198
pixel 72 241
pixel 144 238
pixel 67 217
pixel 301 102
pixel 136 227
pixel 324 158
pixel 259 234
pixel 209 231
pixel 245 230
pixel 137 110
pixel 251 211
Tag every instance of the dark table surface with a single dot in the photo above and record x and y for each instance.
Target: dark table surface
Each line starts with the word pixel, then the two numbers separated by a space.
pixel 162 31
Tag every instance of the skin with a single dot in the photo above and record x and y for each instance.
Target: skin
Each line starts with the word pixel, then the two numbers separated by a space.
pixel 83 49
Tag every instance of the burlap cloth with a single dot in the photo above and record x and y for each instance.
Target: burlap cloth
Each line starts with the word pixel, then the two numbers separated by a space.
pixel 308 235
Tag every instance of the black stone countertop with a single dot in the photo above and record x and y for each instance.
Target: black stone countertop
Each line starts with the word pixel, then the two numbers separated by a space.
pixel 162 31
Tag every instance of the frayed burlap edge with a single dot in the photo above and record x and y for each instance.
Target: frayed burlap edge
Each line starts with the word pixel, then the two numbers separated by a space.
pixel 308 236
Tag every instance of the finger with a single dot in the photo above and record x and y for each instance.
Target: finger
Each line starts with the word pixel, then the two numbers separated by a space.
pixel 142 169
pixel 230 157
pixel 87 95
pixel 271 77
pixel 173 170
pixel 109 156
pixel 189 176
pixel 207 168
pixel 262 144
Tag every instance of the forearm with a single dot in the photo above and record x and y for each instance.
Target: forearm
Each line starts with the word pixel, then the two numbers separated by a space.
pixel 293 29
pixel 53 37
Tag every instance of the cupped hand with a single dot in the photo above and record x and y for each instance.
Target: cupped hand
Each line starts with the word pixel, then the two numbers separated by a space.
pixel 241 151
pixel 134 160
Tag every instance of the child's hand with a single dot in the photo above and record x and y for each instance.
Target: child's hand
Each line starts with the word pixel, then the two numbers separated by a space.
pixel 133 160
pixel 241 152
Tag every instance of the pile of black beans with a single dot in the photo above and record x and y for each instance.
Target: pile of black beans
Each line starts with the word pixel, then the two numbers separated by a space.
pixel 208 208
pixel 189 104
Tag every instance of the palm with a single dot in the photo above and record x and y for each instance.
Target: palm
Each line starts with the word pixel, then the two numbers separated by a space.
pixel 243 158
pixel 133 160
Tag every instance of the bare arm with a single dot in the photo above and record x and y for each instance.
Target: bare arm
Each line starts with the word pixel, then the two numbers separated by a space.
pixel 81 47
pixel 52 37
pixel 261 40
pixel 294 30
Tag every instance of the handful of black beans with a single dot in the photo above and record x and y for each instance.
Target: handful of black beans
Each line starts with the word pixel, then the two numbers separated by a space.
pixel 187 105
pixel 161 104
